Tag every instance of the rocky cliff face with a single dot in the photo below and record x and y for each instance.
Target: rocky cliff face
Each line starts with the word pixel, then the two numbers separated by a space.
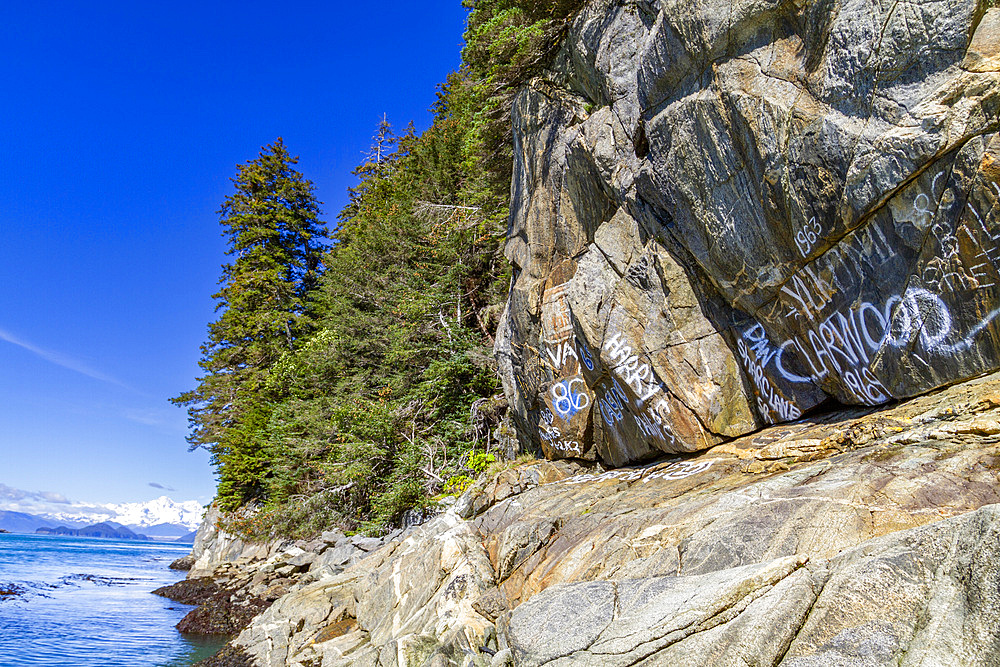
pixel 726 214
pixel 214 547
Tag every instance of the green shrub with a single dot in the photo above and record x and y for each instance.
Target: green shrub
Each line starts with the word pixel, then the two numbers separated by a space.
pixel 456 485
pixel 480 461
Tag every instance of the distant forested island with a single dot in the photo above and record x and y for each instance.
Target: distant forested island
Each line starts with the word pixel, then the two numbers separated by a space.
pixel 105 530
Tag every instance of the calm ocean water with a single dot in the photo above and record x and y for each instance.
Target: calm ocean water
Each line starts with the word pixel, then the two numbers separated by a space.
pixel 88 604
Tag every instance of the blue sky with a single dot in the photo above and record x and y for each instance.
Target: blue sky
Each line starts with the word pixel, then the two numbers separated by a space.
pixel 120 126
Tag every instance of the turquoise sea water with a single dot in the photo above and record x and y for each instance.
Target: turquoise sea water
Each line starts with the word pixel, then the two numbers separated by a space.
pixel 87 603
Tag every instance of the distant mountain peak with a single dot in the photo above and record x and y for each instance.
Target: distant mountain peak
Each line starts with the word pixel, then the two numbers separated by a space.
pixel 137 516
pixel 157 511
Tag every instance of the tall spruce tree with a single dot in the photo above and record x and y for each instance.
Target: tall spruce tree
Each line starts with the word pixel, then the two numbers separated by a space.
pixel 274 234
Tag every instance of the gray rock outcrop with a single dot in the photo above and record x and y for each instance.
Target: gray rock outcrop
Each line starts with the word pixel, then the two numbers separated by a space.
pixel 407 603
pixel 214 547
pixel 925 596
pixel 725 214
pixel 233 580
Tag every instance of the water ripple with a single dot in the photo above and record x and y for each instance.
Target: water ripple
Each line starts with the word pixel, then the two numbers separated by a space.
pixel 83 602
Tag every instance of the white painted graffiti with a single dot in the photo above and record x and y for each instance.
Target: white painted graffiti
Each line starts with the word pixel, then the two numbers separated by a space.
pixel 970 338
pixel 636 374
pixel 849 335
pixel 679 470
pixel 810 291
pixel 613 402
pixel 806 237
pixel 922 203
pixel 990 251
pixel 654 424
pixel 566 401
pixel 560 353
pixel 850 262
pixel 554 437
pixel 765 352
pixel 947 270
pixel 919 313
pixel 568 447
pixel 653 410
pixel 845 341
pixel 768 398
pixel 673 471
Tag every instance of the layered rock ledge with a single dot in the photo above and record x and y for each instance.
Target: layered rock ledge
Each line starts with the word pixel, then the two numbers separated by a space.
pixel 232 581
pixel 862 537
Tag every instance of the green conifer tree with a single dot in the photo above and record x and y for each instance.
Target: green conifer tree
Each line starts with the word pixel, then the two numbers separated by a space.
pixel 274 234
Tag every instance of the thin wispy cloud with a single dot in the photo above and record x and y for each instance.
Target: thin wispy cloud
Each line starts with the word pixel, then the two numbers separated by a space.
pixel 170 419
pixel 10 494
pixel 157 485
pixel 52 497
pixel 61 360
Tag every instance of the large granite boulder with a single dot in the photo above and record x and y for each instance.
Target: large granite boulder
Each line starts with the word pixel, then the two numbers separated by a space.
pixel 725 214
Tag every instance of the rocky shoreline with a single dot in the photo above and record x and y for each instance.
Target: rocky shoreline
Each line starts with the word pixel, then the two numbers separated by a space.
pixel 233 592
pixel 11 591
pixel 859 535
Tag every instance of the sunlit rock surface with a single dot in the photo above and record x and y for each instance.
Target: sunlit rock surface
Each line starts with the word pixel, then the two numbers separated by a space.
pixel 725 214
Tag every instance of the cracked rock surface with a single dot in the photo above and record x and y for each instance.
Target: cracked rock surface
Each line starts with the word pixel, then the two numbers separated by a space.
pixel 232 581
pixel 865 537
pixel 924 596
pixel 754 327
pixel 726 214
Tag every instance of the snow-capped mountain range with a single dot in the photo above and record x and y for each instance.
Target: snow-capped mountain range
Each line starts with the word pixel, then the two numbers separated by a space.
pixel 136 515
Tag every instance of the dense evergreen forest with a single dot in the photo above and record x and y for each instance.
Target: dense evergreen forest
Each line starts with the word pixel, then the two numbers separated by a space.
pixel 349 376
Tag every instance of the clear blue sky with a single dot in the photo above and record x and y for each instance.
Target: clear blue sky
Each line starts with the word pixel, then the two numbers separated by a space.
pixel 120 126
